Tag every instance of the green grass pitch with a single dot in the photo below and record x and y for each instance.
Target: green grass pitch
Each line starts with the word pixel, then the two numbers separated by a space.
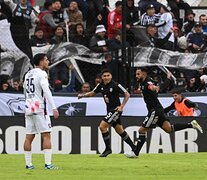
pixel 115 167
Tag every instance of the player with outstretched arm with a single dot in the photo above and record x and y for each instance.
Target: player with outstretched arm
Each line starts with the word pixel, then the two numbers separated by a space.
pixel 110 91
pixel 156 115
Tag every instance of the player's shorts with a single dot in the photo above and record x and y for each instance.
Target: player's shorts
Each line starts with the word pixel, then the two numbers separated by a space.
pixel 154 118
pixel 37 124
pixel 113 118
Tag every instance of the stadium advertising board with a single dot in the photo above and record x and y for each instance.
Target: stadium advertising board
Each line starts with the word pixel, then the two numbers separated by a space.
pixel 13 105
pixel 80 135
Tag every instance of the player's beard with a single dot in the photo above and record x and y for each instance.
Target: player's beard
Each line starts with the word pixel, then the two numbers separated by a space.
pixel 140 80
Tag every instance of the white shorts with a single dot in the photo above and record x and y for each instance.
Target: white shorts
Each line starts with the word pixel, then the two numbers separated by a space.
pixel 37 124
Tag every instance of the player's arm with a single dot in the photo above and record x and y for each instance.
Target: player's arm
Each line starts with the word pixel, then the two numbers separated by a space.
pixel 47 93
pixel 126 98
pixel 152 87
pixel 169 108
pixel 91 93
pixel 88 94
pixel 191 104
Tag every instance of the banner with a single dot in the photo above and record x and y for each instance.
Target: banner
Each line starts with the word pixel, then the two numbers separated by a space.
pixel 15 63
pixel 13 105
pixel 81 135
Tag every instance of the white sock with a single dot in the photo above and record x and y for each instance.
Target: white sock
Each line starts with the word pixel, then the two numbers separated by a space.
pixel 48 155
pixel 28 157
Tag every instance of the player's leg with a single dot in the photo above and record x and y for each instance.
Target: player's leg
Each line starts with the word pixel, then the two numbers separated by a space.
pixel 106 137
pixel 168 128
pixel 27 150
pixel 124 135
pixel 43 125
pixel 30 134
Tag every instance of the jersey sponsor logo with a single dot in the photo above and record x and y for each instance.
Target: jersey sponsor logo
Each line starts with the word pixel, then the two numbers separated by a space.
pixel 73 109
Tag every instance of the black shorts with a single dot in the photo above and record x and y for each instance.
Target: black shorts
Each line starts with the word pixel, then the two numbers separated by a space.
pixel 154 118
pixel 113 118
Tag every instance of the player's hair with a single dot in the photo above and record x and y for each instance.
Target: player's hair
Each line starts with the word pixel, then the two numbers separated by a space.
pixel 105 71
pixel 143 69
pixel 37 58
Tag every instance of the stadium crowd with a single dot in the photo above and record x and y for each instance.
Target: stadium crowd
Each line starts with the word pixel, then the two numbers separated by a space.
pixel 94 24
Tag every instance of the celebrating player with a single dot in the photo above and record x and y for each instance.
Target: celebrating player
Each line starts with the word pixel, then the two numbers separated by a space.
pixel 110 91
pixel 37 120
pixel 156 114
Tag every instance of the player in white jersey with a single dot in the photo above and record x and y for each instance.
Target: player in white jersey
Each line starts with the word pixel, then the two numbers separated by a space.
pixel 37 120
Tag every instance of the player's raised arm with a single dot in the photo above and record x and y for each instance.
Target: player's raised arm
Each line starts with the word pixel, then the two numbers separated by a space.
pixel 88 94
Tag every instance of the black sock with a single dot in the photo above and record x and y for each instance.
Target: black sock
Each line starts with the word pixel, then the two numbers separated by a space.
pixel 106 138
pixel 140 143
pixel 178 127
pixel 127 139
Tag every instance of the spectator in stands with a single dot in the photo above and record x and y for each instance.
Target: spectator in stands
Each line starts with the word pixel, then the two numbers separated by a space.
pixel 149 17
pixel 153 40
pixel 203 21
pixel 59 36
pixel 97 80
pixel 60 71
pixel 190 22
pixel 82 5
pixel 115 20
pixel 165 25
pixel 17 87
pixel 203 86
pixel 23 10
pixel 97 14
pixel 197 40
pixel 74 15
pixel 38 39
pixel 192 86
pixel 98 42
pixel 85 87
pixel 79 36
pixel 132 16
pixel 143 4
pixel 182 105
pixel 58 13
pixel 47 22
pixel 180 43
pixel 4 85
pixel 115 43
pixel 176 5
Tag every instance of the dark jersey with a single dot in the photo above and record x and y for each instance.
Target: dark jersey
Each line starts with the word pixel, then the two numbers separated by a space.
pixel 58 16
pixel 110 94
pixel 150 97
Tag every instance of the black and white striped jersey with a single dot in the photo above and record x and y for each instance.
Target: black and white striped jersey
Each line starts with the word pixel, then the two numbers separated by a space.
pixel 146 19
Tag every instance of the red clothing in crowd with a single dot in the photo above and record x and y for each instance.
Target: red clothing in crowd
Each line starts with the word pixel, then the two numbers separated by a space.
pixel 114 23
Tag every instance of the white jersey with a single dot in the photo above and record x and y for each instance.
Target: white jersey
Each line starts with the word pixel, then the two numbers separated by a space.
pixel 37 92
pixel 165 29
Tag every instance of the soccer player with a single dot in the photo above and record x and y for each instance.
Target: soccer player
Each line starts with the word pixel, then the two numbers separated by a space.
pixel 156 114
pixel 110 91
pixel 37 120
